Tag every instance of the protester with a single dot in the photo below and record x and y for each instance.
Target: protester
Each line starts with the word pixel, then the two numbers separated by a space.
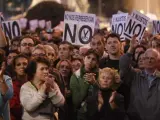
pixel 110 104
pixel 6 89
pixel 26 45
pixel 76 64
pixel 144 93
pixel 19 65
pixel 41 94
pixel 113 47
pixel 82 83
pixel 97 43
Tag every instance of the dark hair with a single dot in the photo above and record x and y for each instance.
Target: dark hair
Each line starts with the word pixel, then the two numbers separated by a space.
pixel 112 35
pixel 17 57
pixel 32 66
pixel 92 51
pixel 13 51
pixel 97 33
pixel 18 39
pixel 138 46
pixel 67 43
pixel 139 57
pixel 27 36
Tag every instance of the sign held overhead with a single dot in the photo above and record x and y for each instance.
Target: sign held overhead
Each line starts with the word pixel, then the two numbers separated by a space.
pixel 78 28
pixel 118 24
pixel 136 25
pixel 11 29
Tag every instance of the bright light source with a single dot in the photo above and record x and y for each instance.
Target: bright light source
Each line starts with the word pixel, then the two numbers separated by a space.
pixel 141 11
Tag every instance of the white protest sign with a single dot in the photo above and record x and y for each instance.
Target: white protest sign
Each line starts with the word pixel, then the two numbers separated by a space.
pixel 48 25
pixel 156 27
pixel 11 29
pixel 136 25
pixel 33 24
pixel 118 24
pixel 23 23
pixel 78 27
pixel 42 24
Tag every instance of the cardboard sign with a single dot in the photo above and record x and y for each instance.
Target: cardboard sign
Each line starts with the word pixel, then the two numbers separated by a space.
pixel 156 27
pixel 41 24
pixel 136 25
pixel 78 28
pixel 33 25
pixel 11 29
pixel 23 23
pixel 119 23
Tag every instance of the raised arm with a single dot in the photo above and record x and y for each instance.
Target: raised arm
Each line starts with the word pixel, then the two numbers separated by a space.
pixel 3 41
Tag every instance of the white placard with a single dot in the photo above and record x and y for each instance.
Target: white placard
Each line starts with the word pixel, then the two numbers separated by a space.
pixel 156 27
pixel 42 24
pixel 33 25
pixel 136 25
pixel 23 23
pixel 119 23
pixel 11 29
pixel 78 27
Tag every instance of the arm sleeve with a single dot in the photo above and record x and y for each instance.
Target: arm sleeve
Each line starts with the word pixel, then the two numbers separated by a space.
pixel 56 96
pixel 9 93
pixel 126 71
pixel 31 100
pixel 79 90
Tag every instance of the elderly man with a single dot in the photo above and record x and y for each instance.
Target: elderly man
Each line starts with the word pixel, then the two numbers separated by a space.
pixel 144 86
pixel 6 90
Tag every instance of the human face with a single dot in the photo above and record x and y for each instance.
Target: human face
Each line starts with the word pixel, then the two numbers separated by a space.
pixel 105 80
pixel 76 64
pixel 156 45
pixel 51 54
pixel 90 62
pixel 137 51
pixel 151 59
pixel 64 52
pixel 10 57
pixel 113 46
pixel 15 45
pixel 141 61
pixel 26 46
pixel 97 44
pixel 65 69
pixel 20 66
pixel 76 53
pixel 42 72
pixel 38 52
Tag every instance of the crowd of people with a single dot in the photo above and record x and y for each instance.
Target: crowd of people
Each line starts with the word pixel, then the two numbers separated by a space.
pixel 45 78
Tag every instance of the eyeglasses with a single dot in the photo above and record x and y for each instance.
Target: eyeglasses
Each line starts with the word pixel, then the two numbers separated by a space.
pixel 27 44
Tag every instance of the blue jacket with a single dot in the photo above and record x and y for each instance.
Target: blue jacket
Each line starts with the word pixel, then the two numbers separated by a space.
pixel 4 100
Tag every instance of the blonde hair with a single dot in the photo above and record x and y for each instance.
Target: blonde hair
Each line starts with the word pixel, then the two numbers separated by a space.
pixel 115 76
pixel 39 46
